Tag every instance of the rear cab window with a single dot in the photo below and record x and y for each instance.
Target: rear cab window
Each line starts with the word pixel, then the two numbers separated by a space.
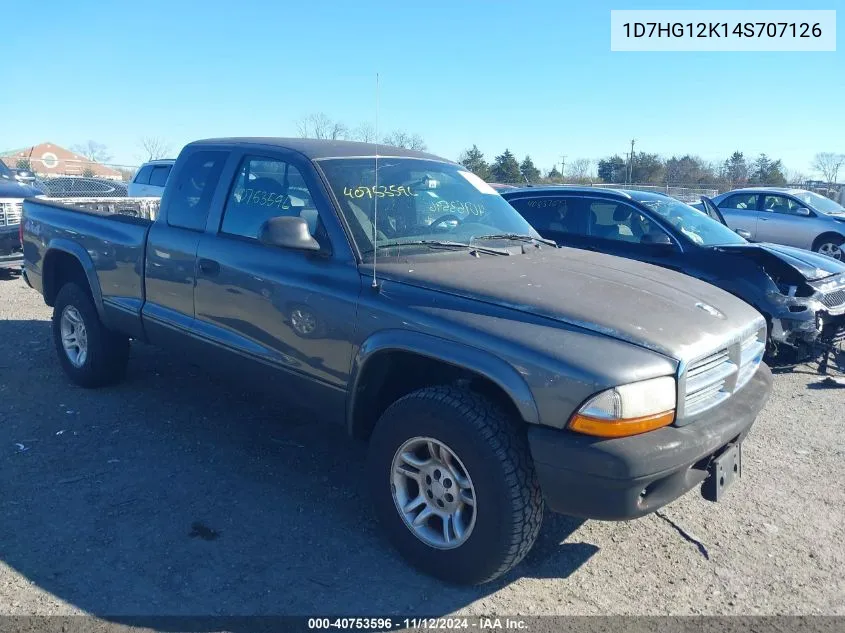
pixel 190 198
pixel 159 174
pixel 143 175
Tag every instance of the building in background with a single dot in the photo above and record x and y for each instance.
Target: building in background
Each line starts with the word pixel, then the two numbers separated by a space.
pixel 49 159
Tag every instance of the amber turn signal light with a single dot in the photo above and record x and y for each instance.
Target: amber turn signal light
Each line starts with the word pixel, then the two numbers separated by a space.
pixel 622 427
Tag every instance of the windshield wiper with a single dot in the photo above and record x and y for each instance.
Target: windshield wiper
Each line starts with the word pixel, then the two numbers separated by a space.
pixel 516 236
pixel 446 244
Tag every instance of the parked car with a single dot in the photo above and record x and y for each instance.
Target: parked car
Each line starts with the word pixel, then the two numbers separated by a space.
pixel 489 371
pixel 12 193
pixel 797 291
pixel 793 217
pixel 151 178
pixel 80 187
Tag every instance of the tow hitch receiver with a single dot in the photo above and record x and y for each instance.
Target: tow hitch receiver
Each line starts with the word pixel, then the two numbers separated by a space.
pixel 722 472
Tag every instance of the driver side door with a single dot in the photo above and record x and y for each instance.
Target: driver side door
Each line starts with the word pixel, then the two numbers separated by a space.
pixel 779 222
pixel 283 312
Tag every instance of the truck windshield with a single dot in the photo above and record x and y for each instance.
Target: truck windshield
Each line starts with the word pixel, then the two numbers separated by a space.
pixel 418 201
pixel 5 172
pixel 696 226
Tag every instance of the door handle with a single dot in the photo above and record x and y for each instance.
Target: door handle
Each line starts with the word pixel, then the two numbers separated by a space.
pixel 209 266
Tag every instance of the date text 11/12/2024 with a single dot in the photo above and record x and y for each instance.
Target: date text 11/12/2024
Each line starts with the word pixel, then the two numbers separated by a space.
pixel 482 623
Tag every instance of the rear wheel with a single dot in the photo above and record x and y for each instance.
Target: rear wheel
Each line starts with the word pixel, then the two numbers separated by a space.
pixel 90 354
pixel 454 485
pixel 830 245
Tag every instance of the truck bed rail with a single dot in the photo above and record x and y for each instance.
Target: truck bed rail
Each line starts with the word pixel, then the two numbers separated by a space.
pixel 146 208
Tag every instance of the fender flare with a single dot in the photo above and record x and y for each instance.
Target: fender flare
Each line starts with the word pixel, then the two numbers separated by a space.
pixel 479 361
pixel 81 255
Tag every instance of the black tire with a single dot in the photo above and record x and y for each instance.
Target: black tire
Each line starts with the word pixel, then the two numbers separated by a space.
pixel 107 351
pixel 494 451
pixel 829 238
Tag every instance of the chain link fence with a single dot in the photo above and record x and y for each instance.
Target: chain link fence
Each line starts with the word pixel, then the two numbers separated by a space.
pixel 684 194
pixel 59 177
pixel 691 194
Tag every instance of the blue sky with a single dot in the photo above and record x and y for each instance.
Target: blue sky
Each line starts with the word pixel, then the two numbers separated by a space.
pixel 537 77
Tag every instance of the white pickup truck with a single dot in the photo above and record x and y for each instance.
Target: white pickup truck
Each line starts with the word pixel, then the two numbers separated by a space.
pixel 12 194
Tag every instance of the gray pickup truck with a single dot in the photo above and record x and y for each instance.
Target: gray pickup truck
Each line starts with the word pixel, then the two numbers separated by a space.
pixel 398 294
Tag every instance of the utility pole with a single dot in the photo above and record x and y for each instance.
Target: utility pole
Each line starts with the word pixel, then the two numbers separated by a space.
pixel 562 164
pixel 629 174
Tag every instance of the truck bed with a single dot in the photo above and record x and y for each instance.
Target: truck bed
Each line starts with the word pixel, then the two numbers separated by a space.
pixel 107 235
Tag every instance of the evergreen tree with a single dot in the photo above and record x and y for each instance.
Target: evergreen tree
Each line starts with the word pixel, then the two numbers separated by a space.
pixel 505 169
pixel 735 169
pixel 612 169
pixel 529 171
pixel 473 160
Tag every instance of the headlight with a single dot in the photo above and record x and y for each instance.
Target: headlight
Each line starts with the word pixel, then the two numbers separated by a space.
pixel 628 409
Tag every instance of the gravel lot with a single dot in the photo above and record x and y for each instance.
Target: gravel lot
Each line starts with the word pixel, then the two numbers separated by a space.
pixel 178 493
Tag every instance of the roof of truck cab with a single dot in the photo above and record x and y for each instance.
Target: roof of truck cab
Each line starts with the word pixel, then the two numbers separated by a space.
pixel 317 149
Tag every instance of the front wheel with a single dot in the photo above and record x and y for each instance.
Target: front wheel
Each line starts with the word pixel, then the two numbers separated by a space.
pixel 454 485
pixel 91 354
pixel 830 245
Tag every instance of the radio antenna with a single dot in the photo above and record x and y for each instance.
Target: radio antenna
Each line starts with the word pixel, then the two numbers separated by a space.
pixel 375 193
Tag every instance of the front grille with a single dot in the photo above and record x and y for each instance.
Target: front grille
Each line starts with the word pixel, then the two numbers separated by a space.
pixel 712 379
pixel 10 213
pixel 834 299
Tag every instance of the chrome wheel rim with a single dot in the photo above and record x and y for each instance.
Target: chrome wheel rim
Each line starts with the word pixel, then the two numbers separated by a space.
pixel 831 250
pixel 433 493
pixel 303 322
pixel 74 336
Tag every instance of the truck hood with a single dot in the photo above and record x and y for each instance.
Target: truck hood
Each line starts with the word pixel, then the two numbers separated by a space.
pixel 808 264
pixel 678 316
pixel 10 188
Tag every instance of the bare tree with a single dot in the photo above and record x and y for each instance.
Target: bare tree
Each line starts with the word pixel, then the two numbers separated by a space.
pixel 318 125
pixel 400 138
pixel 579 169
pixel 796 177
pixel 155 147
pixel 93 151
pixel 828 164
pixel 365 133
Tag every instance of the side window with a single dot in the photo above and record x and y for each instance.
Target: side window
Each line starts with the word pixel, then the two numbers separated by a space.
pixel 266 188
pixel 741 201
pixel 191 197
pixel 780 204
pixel 159 175
pixel 618 221
pixel 549 215
pixel 143 175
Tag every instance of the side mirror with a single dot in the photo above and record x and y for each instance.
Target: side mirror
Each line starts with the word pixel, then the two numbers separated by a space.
pixel 744 234
pixel 288 232
pixel 803 211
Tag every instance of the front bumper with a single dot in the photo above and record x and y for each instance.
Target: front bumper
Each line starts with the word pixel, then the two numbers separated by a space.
pixel 626 478
pixel 11 253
